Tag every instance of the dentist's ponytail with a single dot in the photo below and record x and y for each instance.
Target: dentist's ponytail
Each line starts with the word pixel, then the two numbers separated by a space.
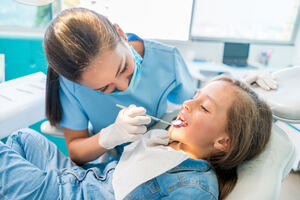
pixel 72 40
pixel 53 106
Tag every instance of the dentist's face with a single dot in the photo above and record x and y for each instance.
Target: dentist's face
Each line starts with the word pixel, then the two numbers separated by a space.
pixel 110 70
pixel 205 116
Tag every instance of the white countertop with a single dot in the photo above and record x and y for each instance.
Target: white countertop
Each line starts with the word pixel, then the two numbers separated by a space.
pixel 22 102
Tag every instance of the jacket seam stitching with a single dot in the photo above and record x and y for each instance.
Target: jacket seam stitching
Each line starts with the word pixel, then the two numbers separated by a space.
pixel 191 184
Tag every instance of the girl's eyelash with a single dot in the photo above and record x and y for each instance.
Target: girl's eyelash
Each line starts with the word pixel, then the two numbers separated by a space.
pixel 204 108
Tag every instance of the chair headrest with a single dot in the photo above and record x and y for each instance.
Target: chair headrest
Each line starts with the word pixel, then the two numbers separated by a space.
pixel 285 101
pixel 260 177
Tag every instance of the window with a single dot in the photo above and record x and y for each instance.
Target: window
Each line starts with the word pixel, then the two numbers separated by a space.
pixel 15 15
pixel 18 18
pixel 159 19
pixel 69 4
pixel 258 21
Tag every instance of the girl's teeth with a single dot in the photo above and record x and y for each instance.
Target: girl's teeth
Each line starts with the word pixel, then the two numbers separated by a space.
pixel 179 123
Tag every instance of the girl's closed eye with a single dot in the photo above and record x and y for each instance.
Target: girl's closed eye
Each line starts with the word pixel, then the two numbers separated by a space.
pixel 203 108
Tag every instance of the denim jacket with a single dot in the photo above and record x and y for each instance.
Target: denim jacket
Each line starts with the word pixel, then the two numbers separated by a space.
pixel 31 167
pixel 192 179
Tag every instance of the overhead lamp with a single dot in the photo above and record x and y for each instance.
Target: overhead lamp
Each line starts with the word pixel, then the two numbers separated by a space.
pixel 35 2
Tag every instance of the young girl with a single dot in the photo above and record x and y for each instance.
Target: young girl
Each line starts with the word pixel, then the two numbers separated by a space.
pixel 223 125
pixel 93 65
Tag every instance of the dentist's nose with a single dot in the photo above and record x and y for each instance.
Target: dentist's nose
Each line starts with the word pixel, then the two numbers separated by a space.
pixel 122 84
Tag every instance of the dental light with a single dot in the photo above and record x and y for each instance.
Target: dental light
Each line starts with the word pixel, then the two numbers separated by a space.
pixel 35 2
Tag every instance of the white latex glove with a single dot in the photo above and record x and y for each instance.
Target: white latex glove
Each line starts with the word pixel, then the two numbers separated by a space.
pixel 262 79
pixel 157 137
pixel 129 126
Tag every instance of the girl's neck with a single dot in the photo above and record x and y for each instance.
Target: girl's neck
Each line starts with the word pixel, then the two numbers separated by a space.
pixel 180 146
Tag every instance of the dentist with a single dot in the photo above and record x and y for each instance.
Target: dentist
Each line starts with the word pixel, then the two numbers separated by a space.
pixel 92 66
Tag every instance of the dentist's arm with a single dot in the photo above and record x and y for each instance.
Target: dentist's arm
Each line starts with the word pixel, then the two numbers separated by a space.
pixel 129 125
pixel 81 147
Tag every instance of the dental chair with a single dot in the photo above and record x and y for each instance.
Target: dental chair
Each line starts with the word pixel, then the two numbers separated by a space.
pixel 261 177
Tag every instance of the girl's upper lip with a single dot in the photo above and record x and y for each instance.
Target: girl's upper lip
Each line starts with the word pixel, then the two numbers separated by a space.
pixel 181 115
pixel 184 122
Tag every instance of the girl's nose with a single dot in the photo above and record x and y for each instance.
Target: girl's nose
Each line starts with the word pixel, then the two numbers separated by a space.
pixel 187 106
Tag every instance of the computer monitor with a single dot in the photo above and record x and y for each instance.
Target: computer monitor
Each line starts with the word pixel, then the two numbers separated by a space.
pixel 247 21
pixel 236 54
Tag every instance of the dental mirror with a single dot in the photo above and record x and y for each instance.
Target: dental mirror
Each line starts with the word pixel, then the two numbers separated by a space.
pixel 177 122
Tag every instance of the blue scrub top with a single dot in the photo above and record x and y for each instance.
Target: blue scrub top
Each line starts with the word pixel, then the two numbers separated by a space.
pixel 162 76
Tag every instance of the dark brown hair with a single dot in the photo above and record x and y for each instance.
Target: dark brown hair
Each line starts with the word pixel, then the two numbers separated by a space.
pixel 71 41
pixel 249 128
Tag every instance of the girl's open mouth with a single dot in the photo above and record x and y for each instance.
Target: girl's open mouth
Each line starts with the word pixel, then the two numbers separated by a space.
pixel 180 122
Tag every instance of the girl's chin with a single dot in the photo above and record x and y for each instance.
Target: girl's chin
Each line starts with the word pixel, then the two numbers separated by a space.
pixel 175 133
pixel 170 131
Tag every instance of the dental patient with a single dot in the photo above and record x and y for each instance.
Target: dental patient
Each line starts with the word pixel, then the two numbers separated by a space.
pixel 223 125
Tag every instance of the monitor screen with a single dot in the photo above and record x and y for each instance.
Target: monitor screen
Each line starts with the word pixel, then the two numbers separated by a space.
pixel 236 50
pixel 235 53
pixel 254 21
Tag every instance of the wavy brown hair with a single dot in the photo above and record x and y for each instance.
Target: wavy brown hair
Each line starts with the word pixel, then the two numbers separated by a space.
pixel 249 128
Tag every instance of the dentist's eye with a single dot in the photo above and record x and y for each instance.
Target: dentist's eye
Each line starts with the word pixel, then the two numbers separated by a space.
pixel 203 108
pixel 124 69
pixel 103 89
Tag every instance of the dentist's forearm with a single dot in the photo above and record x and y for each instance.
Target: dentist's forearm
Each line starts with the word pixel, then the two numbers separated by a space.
pixel 81 147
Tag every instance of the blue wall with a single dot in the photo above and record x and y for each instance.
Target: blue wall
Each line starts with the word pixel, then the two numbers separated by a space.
pixel 25 56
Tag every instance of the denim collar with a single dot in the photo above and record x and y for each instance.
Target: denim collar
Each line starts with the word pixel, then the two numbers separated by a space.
pixel 192 165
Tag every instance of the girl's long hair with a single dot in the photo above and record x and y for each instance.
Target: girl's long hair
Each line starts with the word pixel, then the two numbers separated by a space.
pixel 249 128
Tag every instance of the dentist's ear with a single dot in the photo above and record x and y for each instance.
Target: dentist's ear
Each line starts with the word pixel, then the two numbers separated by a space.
pixel 120 31
pixel 222 144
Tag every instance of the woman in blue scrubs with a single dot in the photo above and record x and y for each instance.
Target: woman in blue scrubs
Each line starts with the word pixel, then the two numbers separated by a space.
pixel 93 65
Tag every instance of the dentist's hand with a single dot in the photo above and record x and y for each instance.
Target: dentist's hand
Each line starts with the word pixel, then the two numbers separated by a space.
pixel 129 126
pixel 262 79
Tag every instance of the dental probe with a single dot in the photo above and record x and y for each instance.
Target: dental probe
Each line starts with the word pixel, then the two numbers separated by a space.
pixel 154 118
